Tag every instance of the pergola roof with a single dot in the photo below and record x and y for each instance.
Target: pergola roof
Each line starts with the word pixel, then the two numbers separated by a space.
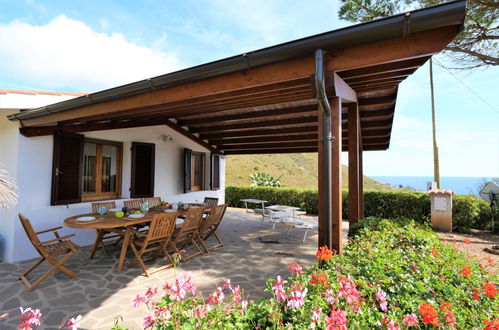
pixel 264 101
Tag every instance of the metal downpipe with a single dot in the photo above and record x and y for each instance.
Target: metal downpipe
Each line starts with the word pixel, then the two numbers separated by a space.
pixel 325 138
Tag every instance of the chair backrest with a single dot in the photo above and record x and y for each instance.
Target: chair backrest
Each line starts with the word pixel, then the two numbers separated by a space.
pixel 210 201
pixel 99 205
pixel 132 204
pixel 33 238
pixel 213 220
pixel 152 201
pixel 193 219
pixel 162 226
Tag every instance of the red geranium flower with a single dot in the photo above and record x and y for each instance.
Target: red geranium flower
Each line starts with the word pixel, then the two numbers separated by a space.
pixel 429 314
pixel 324 253
pixel 490 289
pixel 434 252
pixel 466 271
pixel 492 325
pixel 476 295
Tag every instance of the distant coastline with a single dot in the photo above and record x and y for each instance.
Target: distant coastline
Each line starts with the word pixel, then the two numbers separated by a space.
pixel 460 185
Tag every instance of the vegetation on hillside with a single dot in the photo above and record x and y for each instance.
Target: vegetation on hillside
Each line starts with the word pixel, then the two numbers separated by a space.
pixel 294 170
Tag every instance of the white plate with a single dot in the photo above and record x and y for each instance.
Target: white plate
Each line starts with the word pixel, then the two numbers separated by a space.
pixel 136 215
pixel 115 210
pixel 85 219
pixel 169 211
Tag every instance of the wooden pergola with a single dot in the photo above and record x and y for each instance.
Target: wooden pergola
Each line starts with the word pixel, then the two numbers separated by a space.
pixel 327 93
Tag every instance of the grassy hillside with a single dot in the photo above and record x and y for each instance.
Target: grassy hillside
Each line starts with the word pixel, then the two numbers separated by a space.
pixel 297 170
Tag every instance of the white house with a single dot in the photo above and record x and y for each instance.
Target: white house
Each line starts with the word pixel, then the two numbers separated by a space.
pixel 106 162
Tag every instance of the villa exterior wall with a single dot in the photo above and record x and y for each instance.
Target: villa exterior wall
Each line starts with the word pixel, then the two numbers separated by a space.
pixel 29 161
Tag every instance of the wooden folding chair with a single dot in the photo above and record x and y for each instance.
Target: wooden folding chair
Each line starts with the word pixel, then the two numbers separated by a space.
pixel 210 225
pixel 210 201
pixel 157 239
pixel 48 250
pixel 107 205
pixel 188 233
pixel 133 204
pixel 103 234
pixel 152 201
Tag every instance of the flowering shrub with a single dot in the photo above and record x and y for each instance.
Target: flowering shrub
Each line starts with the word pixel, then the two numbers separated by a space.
pixel 31 318
pixel 392 275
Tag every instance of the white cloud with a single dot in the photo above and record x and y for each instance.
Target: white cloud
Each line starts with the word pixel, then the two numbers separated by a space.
pixel 67 53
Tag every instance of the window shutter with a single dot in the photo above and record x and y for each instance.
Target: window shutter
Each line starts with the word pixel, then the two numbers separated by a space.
pixel 215 171
pixel 67 169
pixel 143 162
pixel 187 170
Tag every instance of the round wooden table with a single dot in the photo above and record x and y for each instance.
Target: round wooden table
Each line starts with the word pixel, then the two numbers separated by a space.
pixel 110 223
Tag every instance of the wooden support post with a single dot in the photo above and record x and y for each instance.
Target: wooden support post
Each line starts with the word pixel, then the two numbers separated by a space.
pixel 353 163
pixel 324 181
pixel 361 176
pixel 336 198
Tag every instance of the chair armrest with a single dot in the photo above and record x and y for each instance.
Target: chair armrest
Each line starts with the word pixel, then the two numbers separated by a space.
pixel 47 230
pixel 59 239
pixel 136 232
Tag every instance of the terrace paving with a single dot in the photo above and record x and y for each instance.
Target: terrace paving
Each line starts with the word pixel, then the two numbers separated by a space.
pixel 101 294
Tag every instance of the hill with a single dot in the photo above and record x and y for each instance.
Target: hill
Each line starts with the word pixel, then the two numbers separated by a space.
pixel 296 170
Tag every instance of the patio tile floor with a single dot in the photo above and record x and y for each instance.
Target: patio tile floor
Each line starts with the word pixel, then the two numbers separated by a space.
pixel 101 294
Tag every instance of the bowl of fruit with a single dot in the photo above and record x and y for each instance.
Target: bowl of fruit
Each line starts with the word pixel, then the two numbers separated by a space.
pixel 163 206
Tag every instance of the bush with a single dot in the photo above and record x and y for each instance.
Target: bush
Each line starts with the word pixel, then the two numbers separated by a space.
pixel 391 274
pixel 469 212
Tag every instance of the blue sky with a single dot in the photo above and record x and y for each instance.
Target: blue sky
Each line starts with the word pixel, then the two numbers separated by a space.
pixel 86 46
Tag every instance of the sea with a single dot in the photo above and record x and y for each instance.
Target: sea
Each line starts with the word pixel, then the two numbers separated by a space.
pixel 460 185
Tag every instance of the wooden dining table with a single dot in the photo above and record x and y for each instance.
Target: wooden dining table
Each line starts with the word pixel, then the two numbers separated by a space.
pixel 110 223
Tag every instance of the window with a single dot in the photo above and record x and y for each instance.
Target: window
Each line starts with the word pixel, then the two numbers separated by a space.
pixel 85 169
pixel 215 172
pixel 197 161
pixel 101 170
pixel 194 170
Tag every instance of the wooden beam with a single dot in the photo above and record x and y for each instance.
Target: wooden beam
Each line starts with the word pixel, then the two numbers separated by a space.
pixel 108 125
pixel 255 114
pixel 384 68
pixel 353 163
pixel 338 87
pixel 268 139
pixel 377 100
pixel 336 200
pixel 270 151
pixel 381 76
pixel 306 128
pixel 191 136
pixel 257 124
pixel 282 144
pixel 415 45
pixel 268 74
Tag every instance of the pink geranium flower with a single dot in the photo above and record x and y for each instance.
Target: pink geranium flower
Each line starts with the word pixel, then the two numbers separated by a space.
pixel 348 290
pixel 74 323
pixel 295 269
pixel 279 289
pixel 148 321
pixel 337 320
pixel 316 317
pixel 28 318
pixel 410 320
pixel 236 294
pixel 392 325
pixel 296 298
pixel 381 297
pixel 151 292
pixel 138 299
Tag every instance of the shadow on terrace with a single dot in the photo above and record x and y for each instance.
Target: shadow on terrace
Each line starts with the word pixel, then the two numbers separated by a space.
pixel 250 256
